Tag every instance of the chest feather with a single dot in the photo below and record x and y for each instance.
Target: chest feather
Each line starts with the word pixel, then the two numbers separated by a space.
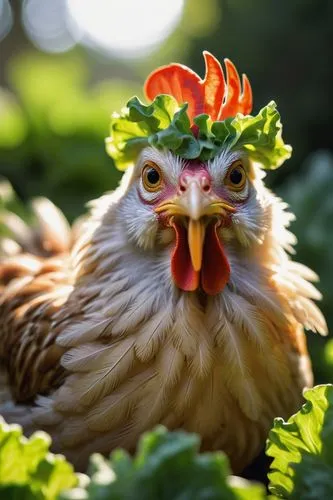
pixel 223 371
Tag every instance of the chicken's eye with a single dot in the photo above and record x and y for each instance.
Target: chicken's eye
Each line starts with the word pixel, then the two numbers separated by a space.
pixel 151 177
pixel 236 177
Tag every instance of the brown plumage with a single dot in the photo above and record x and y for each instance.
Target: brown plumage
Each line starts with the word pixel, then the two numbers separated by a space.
pixel 98 343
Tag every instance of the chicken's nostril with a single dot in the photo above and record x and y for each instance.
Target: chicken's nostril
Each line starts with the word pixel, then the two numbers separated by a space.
pixel 200 179
pixel 205 184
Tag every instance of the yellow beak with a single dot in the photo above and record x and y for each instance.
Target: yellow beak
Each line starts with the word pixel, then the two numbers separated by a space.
pixel 196 236
pixel 195 204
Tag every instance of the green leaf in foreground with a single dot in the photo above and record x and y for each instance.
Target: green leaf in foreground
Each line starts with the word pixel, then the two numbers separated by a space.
pixel 27 469
pixel 166 466
pixel 302 449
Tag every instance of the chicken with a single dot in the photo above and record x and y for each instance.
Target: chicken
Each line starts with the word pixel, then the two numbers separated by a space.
pixel 175 300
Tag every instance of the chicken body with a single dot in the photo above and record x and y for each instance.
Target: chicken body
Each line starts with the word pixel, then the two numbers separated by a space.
pixel 100 344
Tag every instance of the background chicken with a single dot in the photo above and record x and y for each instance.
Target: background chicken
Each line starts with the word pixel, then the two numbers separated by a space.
pixel 174 301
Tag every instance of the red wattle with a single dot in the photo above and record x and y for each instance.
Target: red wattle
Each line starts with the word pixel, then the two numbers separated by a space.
pixel 215 270
pixel 185 277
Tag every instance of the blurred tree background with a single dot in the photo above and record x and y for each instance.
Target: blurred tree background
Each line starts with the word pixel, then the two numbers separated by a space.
pixel 65 65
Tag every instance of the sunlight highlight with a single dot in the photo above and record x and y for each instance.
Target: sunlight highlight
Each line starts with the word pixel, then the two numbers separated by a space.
pixel 128 28
pixel 45 22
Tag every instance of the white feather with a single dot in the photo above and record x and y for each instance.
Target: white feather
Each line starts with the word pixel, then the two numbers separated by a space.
pixel 237 377
pixel 308 314
pixel 245 316
pixel 84 331
pixel 169 364
pixel 91 387
pixel 87 357
pixel 190 335
pixel 149 339
pixel 117 407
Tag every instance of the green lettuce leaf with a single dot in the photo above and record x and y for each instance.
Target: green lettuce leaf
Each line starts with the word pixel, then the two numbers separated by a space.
pixel 302 449
pixel 28 470
pixel 165 125
pixel 166 466
pixel 260 136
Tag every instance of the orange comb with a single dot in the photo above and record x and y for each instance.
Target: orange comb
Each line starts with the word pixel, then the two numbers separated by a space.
pixel 220 98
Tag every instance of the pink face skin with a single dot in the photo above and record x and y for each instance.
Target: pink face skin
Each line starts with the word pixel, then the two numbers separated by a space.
pixel 195 205
pixel 196 170
pixel 193 169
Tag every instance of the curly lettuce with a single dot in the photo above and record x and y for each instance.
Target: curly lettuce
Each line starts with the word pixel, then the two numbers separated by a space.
pixel 165 125
pixel 302 449
pixel 28 470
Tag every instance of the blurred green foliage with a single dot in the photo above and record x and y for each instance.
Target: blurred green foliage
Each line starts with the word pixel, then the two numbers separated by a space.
pixel 309 194
pixel 167 465
pixel 28 470
pixel 52 130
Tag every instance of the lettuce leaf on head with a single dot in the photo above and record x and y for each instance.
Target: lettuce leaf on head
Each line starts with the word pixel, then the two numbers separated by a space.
pixel 165 124
pixel 302 449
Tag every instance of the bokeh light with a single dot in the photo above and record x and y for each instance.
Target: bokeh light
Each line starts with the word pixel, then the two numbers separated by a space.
pixel 6 18
pixel 45 22
pixel 126 28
